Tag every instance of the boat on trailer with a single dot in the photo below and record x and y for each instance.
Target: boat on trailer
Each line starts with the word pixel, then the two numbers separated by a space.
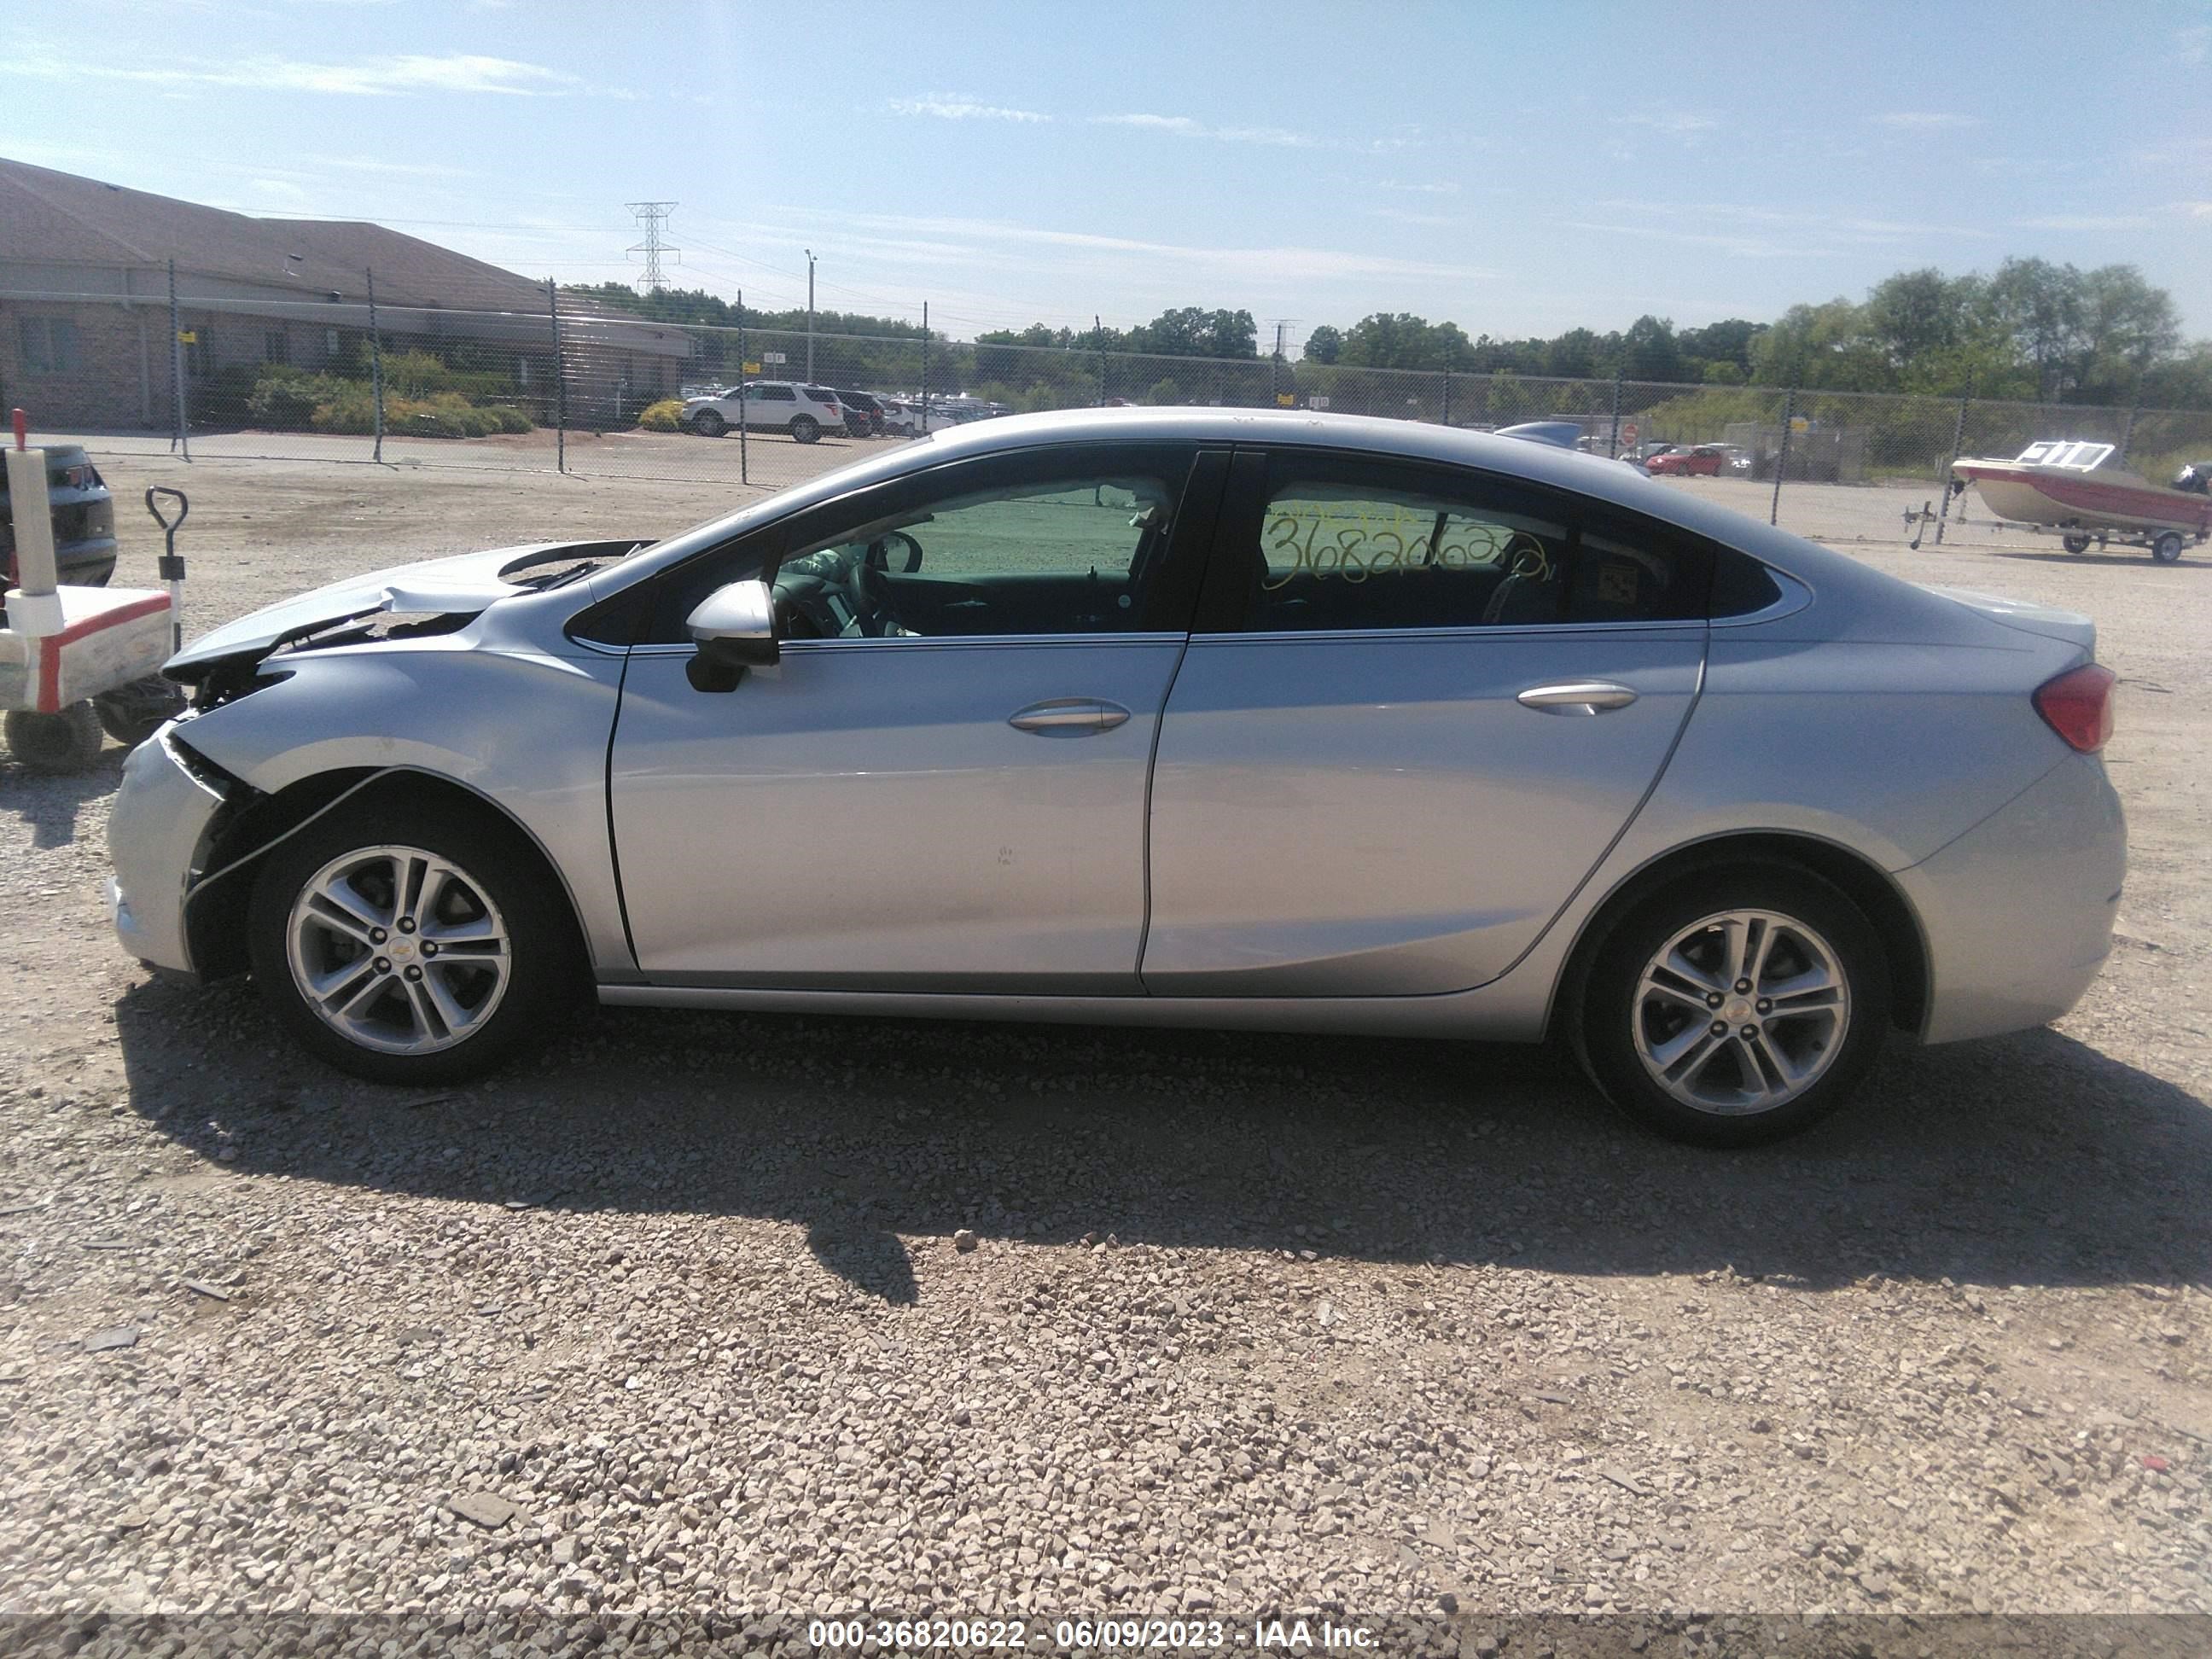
pixel 2068 486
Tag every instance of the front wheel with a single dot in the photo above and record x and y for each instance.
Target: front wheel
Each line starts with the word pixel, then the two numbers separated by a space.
pixel 411 942
pixel 2076 541
pixel 804 428
pixel 707 424
pixel 1731 1010
pixel 2167 550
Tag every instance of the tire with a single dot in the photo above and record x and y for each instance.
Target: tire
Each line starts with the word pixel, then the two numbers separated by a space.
pixel 1629 1026
pixel 509 998
pixel 804 428
pixel 2076 541
pixel 67 741
pixel 132 714
pixel 707 424
pixel 2167 550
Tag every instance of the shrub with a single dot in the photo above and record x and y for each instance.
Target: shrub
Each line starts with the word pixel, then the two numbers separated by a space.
pixel 662 416
pixel 284 402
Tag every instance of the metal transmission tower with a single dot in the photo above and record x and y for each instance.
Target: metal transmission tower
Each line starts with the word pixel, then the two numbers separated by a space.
pixel 652 215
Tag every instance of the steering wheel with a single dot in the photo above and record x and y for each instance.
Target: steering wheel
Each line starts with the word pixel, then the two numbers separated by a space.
pixel 877 557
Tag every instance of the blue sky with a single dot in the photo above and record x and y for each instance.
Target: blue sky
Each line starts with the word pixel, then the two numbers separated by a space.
pixel 1517 168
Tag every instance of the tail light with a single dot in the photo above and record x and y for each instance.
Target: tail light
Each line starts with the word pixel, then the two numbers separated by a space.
pixel 2078 706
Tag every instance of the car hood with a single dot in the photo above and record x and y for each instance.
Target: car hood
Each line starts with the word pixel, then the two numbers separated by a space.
pixel 456 587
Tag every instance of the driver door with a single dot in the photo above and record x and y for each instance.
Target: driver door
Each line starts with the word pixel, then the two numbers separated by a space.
pixel 941 786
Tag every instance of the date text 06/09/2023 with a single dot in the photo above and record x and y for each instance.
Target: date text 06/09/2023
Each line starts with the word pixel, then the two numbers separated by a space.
pixel 1280 1635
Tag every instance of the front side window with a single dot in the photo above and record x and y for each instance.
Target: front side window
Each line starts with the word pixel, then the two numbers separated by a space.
pixel 1059 544
pixel 1355 543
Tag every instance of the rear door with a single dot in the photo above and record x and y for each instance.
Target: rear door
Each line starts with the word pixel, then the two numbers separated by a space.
pixel 1419 705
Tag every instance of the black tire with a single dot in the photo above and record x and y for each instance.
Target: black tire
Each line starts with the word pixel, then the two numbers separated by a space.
pixel 132 714
pixel 2076 541
pixel 67 741
pixel 1607 1011
pixel 706 423
pixel 545 971
pixel 804 428
pixel 2167 550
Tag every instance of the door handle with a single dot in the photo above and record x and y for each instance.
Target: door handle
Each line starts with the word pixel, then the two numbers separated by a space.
pixel 1068 717
pixel 1577 697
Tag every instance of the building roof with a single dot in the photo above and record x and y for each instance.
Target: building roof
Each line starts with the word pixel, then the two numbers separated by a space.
pixel 59 218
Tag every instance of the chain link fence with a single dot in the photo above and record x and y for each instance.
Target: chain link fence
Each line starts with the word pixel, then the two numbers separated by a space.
pixel 509 374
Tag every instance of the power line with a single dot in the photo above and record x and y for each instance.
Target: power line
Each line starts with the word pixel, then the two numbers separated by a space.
pixel 651 215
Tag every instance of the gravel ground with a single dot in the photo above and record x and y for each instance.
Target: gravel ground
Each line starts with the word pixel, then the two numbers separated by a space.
pixel 753 1313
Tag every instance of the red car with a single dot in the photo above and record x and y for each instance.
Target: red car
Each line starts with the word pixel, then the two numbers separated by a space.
pixel 1704 461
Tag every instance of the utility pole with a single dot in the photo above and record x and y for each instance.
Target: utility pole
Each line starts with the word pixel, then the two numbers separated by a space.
pixel 1098 339
pixel 810 316
pixel 925 369
pixel 652 215
pixel 744 461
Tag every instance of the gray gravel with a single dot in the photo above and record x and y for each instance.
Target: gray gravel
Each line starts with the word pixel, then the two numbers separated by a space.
pixel 781 1314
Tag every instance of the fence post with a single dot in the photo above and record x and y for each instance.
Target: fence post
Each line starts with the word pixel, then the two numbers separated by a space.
pixel 560 382
pixel 745 458
pixel 1782 461
pixel 925 369
pixel 1957 440
pixel 179 439
pixel 2127 434
pixel 1098 336
pixel 375 368
pixel 1447 397
pixel 1612 444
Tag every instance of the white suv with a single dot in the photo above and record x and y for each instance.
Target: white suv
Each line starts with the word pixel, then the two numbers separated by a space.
pixel 804 411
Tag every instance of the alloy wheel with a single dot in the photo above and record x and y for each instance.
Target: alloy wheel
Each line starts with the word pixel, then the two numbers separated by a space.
pixel 1741 1011
pixel 398 950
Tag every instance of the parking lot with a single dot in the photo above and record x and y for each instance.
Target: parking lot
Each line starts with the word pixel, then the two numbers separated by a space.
pixel 674 1316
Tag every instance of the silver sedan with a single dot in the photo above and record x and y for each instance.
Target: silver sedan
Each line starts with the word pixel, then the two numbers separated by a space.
pixel 1270 721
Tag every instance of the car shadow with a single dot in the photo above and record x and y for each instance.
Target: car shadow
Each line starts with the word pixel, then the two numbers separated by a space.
pixel 2025 1160
pixel 2130 558
pixel 48 803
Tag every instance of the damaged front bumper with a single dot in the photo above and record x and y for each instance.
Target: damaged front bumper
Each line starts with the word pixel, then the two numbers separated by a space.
pixel 159 832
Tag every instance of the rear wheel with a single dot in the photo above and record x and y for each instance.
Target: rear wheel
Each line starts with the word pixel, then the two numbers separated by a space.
pixel 67 741
pixel 2167 548
pixel 411 942
pixel 1733 1009
pixel 2076 541
pixel 804 428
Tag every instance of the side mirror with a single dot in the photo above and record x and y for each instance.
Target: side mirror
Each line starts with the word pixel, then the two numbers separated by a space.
pixel 734 627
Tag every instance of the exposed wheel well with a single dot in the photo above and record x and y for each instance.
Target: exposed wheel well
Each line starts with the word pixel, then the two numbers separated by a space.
pixel 214 915
pixel 1862 883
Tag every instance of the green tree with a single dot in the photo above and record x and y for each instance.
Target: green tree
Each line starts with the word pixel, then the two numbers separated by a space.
pixel 1324 344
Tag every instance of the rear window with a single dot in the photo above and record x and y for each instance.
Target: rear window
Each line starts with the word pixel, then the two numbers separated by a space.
pixel 821 394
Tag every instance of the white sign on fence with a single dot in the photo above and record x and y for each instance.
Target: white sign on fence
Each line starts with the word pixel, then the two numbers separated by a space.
pixel 774 357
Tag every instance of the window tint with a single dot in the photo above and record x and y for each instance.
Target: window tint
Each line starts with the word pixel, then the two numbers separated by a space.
pixel 1741 585
pixel 1349 541
pixel 774 394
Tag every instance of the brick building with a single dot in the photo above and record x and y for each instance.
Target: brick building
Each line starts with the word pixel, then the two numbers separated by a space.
pixel 84 306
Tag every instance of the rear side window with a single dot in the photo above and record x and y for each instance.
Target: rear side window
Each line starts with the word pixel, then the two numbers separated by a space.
pixel 1349 542
pixel 1741 585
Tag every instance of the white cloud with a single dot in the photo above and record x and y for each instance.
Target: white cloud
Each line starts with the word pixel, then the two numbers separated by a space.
pixel 1441 187
pixel 1922 121
pixel 1182 126
pixel 1399 215
pixel 2087 221
pixel 461 72
pixel 956 106
pixel 1678 121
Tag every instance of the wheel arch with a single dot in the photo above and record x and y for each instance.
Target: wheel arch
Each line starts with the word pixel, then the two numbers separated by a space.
pixel 1903 940
pixel 216 909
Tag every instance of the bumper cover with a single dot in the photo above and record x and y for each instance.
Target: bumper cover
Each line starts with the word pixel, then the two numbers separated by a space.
pixel 157 836
pixel 2019 911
